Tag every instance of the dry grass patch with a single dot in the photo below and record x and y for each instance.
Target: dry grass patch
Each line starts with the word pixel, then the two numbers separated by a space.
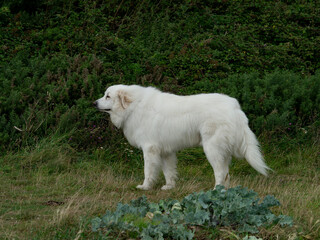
pixel 36 203
pixel 299 198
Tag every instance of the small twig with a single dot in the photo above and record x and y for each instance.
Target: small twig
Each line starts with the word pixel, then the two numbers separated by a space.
pixel 19 129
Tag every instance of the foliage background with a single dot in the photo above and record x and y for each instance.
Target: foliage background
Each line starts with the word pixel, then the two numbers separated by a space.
pixel 57 57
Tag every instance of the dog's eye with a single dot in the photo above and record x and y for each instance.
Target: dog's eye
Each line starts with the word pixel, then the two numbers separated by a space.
pixel 107 96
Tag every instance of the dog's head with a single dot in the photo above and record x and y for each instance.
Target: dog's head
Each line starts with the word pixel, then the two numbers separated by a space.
pixel 115 101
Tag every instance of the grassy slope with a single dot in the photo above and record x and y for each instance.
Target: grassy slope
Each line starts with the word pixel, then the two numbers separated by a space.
pixel 87 185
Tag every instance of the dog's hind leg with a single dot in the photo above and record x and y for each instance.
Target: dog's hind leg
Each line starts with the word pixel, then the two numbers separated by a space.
pixel 219 157
pixel 152 166
pixel 169 168
pixel 220 165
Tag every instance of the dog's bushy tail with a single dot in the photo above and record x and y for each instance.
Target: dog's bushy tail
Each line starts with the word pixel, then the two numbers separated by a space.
pixel 251 152
pixel 249 147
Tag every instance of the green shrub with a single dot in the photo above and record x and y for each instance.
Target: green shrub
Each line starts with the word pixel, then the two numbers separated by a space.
pixel 43 95
pixel 229 37
pixel 278 102
pixel 57 58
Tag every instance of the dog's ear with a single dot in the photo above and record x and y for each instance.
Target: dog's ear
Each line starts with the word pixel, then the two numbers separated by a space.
pixel 124 99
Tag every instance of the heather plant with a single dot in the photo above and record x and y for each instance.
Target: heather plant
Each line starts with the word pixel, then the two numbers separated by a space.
pixel 57 57
pixel 196 38
pixel 49 95
pixel 280 102
pixel 44 95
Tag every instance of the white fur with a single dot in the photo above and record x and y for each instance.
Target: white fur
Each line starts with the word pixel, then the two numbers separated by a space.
pixel 162 123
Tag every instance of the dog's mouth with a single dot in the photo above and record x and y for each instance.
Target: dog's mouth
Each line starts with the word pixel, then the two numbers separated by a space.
pixel 105 110
pixel 96 105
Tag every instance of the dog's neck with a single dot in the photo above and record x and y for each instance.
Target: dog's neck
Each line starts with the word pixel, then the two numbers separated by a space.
pixel 119 119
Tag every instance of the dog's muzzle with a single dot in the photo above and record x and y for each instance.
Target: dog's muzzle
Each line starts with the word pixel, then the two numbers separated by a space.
pixel 96 105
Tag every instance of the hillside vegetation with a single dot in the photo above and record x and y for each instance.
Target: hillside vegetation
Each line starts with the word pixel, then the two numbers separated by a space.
pixel 57 57
pixel 63 163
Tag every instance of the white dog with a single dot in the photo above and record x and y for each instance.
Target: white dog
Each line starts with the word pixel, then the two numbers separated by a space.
pixel 162 123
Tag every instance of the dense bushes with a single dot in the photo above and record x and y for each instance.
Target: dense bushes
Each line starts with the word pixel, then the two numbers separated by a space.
pixel 278 102
pixel 57 57
pixel 214 36
pixel 44 95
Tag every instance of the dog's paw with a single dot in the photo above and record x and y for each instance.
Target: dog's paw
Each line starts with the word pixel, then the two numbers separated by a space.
pixel 143 187
pixel 167 187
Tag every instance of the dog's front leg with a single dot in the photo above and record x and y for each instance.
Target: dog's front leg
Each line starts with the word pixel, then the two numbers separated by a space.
pixel 169 168
pixel 152 165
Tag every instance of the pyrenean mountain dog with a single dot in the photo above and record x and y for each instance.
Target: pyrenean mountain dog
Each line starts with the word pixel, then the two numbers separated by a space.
pixel 162 123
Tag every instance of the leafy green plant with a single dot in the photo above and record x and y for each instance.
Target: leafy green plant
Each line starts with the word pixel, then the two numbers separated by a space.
pixel 238 208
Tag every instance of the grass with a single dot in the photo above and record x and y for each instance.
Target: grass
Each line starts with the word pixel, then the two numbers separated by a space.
pixel 52 192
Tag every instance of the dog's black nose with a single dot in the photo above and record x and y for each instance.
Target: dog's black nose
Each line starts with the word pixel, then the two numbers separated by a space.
pixel 95 104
